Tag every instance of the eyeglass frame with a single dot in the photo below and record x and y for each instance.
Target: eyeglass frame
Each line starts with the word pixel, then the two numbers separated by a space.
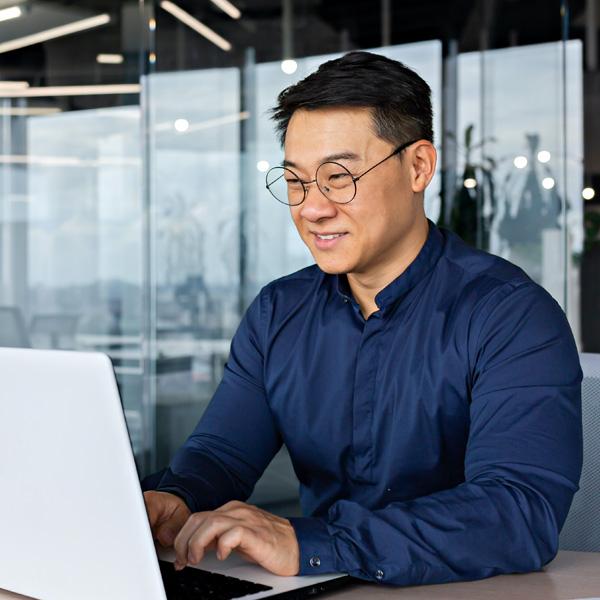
pixel 304 184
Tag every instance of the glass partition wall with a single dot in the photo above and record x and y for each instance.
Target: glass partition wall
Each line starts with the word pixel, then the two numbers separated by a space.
pixel 134 218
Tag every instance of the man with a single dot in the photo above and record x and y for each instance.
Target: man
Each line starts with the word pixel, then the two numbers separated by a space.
pixel 428 392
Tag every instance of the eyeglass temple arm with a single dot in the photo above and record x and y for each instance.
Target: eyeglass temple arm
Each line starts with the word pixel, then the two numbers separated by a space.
pixel 396 151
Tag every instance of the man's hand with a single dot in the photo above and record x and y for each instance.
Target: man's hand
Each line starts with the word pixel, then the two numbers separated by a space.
pixel 257 535
pixel 167 514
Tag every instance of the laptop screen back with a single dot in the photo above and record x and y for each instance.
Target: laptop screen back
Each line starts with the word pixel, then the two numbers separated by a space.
pixel 72 517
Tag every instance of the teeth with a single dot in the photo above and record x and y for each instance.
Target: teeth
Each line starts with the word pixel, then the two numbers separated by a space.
pixel 329 237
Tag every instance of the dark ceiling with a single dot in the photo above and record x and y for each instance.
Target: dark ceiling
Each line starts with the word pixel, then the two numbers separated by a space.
pixel 319 27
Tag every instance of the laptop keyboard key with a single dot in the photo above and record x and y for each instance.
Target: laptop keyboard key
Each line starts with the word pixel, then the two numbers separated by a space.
pixel 195 584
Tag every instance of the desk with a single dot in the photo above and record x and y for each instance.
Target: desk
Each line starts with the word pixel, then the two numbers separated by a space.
pixel 570 575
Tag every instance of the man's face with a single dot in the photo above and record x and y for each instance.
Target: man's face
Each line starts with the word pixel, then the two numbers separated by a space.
pixel 375 224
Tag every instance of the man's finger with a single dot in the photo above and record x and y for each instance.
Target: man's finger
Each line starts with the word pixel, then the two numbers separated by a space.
pixel 168 530
pixel 242 539
pixel 166 534
pixel 207 535
pixel 181 541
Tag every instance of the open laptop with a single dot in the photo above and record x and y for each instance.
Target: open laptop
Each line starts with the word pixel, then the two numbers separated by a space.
pixel 73 523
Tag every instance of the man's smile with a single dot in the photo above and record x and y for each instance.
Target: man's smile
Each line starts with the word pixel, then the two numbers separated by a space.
pixel 326 240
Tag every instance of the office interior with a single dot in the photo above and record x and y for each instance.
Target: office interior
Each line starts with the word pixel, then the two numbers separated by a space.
pixel 135 137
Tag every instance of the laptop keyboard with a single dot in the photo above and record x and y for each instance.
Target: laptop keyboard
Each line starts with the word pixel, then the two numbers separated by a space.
pixel 195 584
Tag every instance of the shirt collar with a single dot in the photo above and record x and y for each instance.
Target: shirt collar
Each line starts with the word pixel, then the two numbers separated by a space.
pixel 415 272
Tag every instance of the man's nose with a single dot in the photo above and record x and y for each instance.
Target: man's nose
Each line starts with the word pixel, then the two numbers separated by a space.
pixel 316 205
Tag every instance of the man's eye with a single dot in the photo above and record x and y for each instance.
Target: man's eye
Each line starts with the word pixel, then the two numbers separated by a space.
pixel 293 181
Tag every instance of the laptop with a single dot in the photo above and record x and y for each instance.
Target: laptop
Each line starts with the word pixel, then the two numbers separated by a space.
pixel 73 522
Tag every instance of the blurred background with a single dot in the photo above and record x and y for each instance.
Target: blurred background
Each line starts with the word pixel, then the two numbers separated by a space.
pixel 134 141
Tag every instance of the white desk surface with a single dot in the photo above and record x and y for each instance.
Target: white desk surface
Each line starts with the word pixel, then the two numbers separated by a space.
pixel 572 575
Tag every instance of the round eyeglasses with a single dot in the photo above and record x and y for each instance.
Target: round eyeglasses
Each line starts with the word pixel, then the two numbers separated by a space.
pixel 333 179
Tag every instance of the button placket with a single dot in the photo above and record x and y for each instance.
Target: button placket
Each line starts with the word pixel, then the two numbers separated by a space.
pixel 364 398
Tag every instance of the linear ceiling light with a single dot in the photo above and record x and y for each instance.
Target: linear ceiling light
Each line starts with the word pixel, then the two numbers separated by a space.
pixel 72 90
pixel 228 8
pixel 208 123
pixel 67 161
pixel 109 59
pixel 13 85
pixel 10 13
pixel 55 32
pixel 196 25
pixel 24 111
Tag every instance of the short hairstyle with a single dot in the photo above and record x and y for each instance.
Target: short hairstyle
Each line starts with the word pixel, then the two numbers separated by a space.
pixel 400 100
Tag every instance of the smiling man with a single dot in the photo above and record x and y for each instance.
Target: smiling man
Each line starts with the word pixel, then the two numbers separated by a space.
pixel 428 392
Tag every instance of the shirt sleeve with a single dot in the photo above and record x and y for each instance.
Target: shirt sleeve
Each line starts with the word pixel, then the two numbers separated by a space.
pixel 522 465
pixel 237 436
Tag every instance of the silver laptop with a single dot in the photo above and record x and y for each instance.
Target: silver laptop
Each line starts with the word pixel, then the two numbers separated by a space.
pixel 73 523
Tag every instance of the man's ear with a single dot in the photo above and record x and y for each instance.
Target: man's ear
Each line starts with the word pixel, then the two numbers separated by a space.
pixel 423 157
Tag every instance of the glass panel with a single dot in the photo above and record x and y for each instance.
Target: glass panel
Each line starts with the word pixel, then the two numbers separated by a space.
pixel 195 199
pixel 516 166
pixel 70 197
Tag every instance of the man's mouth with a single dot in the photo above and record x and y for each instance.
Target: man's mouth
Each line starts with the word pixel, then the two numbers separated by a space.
pixel 329 236
pixel 328 239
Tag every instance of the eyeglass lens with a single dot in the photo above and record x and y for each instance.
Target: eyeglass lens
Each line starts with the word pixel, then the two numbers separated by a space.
pixel 334 180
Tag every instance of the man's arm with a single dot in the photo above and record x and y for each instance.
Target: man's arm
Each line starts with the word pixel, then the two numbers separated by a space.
pixel 220 463
pixel 522 465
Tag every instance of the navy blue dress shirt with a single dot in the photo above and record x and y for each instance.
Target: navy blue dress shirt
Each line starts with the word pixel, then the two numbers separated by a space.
pixel 437 440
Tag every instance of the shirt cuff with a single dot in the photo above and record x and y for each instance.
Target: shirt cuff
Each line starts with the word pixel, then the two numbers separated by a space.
pixel 317 553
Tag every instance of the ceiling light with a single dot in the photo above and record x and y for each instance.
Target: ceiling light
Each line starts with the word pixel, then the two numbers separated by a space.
pixel 543 156
pixel 289 66
pixel 55 32
pixel 72 90
pixel 13 85
pixel 470 183
pixel 152 24
pixel 228 8
pixel 10 13
pixel 207 124
pixel 520 162
pixel 181 125
pixel 548 183
pixel 196 25
pixel 109 59
pixel 67 161
pixel 588 193
pixel 262 166
pixel 27 111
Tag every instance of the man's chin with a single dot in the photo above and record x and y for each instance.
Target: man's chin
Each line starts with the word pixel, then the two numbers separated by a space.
pixel 331 268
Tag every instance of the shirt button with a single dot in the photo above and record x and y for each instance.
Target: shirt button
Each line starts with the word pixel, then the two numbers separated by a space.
pixel 379 574
pixel 315 561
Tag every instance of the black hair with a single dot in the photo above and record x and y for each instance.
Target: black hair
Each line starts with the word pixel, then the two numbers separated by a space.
pixel 400 100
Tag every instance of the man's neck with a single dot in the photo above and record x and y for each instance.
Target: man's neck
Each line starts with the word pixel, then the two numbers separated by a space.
pixel 366 286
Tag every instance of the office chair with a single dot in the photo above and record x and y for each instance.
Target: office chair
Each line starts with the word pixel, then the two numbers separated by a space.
pixel 13 333
pixel 582 527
